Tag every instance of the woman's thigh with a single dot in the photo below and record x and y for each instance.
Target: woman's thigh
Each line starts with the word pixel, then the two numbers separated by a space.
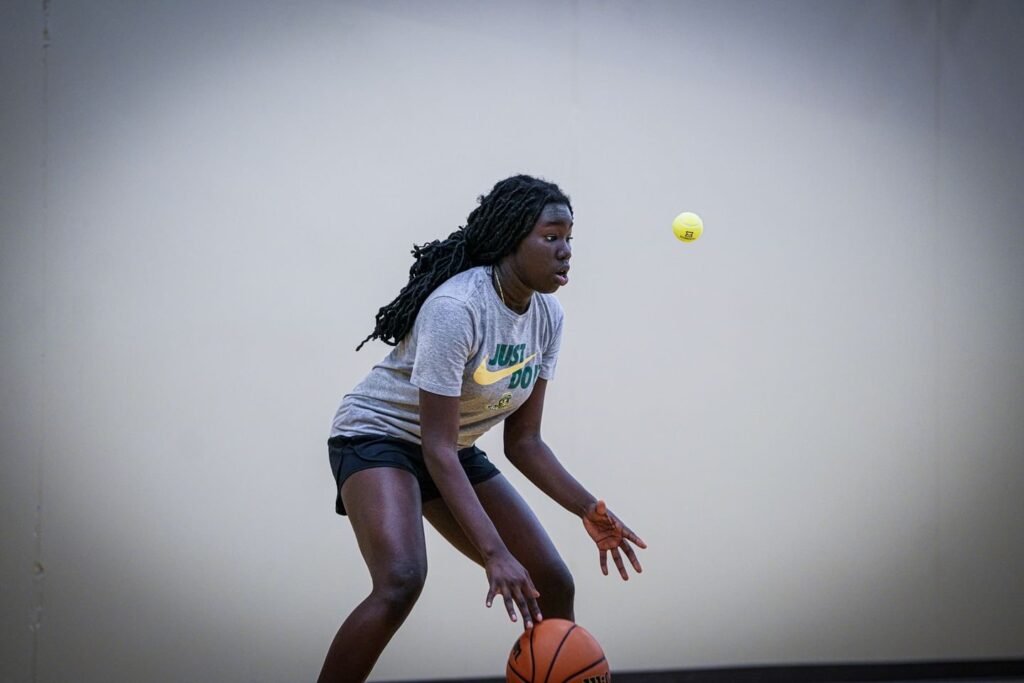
pixel 385 509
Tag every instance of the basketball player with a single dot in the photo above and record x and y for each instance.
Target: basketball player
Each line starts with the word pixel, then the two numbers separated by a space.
pixel 476 332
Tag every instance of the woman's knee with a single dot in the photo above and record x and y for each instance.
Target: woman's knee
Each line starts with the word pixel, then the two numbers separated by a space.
pixel 400 585
pixel 553 579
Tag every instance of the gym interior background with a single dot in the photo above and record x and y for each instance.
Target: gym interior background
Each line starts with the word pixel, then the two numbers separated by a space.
pixel 814 415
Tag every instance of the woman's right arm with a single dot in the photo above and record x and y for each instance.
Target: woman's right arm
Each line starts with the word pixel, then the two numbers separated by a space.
pixel 439 431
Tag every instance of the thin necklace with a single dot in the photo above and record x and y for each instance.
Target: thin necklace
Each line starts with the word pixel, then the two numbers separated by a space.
pixel 497 281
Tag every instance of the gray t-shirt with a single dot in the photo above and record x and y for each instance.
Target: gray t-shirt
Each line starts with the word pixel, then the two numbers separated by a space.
pixel 466 343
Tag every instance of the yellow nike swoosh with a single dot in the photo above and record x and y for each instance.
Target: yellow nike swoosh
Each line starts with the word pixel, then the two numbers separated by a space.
pixel 483 376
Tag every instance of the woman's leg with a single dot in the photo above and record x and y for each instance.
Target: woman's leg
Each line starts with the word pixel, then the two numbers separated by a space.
pixel 384 507
pixel 524 536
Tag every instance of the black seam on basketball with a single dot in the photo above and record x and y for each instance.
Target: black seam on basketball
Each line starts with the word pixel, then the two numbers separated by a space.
pixel 523 678
pixel 554 657
pixel 588 666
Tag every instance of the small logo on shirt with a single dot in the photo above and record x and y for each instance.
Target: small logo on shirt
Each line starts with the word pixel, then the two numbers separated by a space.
pixel 502 403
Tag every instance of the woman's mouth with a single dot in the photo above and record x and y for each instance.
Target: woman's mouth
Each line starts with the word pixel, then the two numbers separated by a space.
pixel 562 275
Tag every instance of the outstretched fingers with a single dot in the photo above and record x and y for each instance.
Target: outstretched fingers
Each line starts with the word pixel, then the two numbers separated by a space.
pixel 619 563
pixel 631 554
pixel 629 535
pixel 515 598
pixel 611 535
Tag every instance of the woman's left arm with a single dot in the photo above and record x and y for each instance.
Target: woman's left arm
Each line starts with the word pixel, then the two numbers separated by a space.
pixel 527 451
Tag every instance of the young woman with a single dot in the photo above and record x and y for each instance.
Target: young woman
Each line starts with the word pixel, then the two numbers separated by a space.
pixel 476 333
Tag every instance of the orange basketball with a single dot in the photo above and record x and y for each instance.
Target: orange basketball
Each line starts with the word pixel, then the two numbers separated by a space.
pixel 557 651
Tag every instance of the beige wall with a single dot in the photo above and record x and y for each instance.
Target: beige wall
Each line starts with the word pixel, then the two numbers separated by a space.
pixel 814 415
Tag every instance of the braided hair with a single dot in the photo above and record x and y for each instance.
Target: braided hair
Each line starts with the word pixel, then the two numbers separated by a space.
pixel 493 229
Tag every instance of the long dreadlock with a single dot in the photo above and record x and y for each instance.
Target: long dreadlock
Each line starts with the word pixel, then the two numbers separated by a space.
pixel 493 229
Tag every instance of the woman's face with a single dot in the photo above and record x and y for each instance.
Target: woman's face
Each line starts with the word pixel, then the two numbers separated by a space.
pixel 541 260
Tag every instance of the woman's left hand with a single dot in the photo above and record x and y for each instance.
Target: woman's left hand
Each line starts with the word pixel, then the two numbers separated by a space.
pixel 610 534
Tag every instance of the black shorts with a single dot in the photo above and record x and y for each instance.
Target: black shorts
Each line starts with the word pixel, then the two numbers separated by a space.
pixel 350 454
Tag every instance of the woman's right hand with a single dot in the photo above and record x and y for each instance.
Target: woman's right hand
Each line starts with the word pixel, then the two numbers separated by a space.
pixel 510 579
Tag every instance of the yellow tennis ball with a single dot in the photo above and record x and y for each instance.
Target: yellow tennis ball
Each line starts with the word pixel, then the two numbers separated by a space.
pixel 688 226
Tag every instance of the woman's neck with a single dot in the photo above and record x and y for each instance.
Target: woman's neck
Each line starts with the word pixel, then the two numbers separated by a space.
pixel 512 292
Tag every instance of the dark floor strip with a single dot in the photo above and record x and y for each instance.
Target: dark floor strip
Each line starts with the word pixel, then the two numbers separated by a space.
pixel 990 671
